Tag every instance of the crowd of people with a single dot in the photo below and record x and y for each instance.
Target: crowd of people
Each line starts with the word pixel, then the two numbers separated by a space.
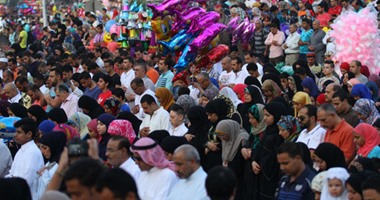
pixel 97 120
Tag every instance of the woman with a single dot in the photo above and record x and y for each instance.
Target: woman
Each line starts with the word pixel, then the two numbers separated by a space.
pixel 164 97
pixel 131 118
pixel 294 85
pixel 37 113
pixel 328 155
pixel 68 130
pixel 17 110
pixel 232 113
pixel 300 99
pixel 51 145
pixel 239 90
pixel 376 79
pixel 310 87
pixel 198 130
pixel 233 138
pixel 367 139
pixel 58 116
pixel 359 91
pixel 90 107
pixel 104 120
pixel 345 78
pixel 366 111
pixel 93 130
pixel 289 128
pixel 351 83
pixel 216 111
pixel 271 90
pixel 45 126
pixel 264 164
pixel 252 96
pixel 79 121
pixel 374 89
pixel 123 128
pixel 229 93
pixel 354 184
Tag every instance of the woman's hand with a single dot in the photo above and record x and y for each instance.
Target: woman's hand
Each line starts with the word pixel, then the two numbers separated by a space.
pixel 212 146
pixel 256 167
pixel 246 152
pixel 189 137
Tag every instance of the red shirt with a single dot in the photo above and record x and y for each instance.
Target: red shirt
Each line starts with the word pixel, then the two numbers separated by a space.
pixel 335 10
pixel 343 138
pixel 103 97
pixel 324 19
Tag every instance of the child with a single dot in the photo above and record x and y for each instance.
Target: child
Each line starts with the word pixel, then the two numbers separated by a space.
pixel 334 184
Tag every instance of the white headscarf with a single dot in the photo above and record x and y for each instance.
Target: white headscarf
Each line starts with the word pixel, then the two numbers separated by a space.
pixel 339 173
pixel 229 93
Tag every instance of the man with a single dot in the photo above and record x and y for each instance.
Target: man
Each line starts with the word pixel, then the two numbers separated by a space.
pixel 128 75
pixel 344 109
pixel 275 40
pixel 240 74
pixel 227 76
pixel 119 155
pixel 355 69
pixel 315 67
pixel 5 160
pixel 39 81
pixel 22 85
pixel 313 134
pixel 346 6
pixel 221 183
pixel 166 76
pixel 204 84
pixel 3 67
pixel 330 90
pixel 12 65
pixel 91 89
pixel 249 57
pixel 371 188
pixel 69 100
pixel 296 183
pixel 99 38
pixel 31 63
pixel 316 42
pixel 11 92
pixel 138 87
pixel 156 178
pixel 8 77
pixel 339 132
pixel 28 159
pixel 81 177
pixel 328 69
pixel 177 116
pixel 140 72
pixel 261 50
pixel 291 46
pixel 22 37
pixel 109 68
pixel 157 117
pixel 253 71
pixel 305 37
pixel 55 79
pixel 192 175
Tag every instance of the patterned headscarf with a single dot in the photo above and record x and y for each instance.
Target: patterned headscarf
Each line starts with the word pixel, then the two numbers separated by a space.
pixel 92 126
pixel 290 124
pixel 367 108
pixel 123 128
pixel 68 130
pixel 80 120
pixel 273 87
pixel 257 111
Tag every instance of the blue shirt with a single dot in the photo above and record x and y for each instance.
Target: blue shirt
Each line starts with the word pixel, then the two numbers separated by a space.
pixel 305 37
pixel 94 93
pixel 165 80
pixel 299 189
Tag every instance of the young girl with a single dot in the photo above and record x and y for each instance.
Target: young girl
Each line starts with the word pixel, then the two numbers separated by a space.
pixel 334 184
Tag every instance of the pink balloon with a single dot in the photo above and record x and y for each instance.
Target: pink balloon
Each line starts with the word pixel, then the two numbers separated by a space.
pixel 206 36
pixel 192 13
pixel 115 29
pixel 204 21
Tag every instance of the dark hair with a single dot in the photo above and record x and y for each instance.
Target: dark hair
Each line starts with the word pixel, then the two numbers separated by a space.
pixel 311 110
pixel 118 92
pixel 86 171
pixel 373 182
pixel 130 59
pixel 183 90
pixel 110 62
pixel 341 94
pixel 85 75
pixel 291 148
pixel 21 79
pixel 15 188
pixel 220 183
pixel 27 124
pixel 250 53
pixel 330 62
pixel 147 98
pixel 252 67
pixel 63 88
pixel 67 68
pixel 123 143
pixel 238 60
pixel 138 82
pixel 58 72
pixel 300 70
pixel 119 182
pixel 106 78
pixel 273 25
pixel 177 109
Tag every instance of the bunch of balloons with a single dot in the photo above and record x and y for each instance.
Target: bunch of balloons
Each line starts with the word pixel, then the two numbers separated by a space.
pixel 361 39
pixel 243 31
pixel 188 32
pixel 28 8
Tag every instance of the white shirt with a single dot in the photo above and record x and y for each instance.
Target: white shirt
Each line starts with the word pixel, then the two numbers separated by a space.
pixel 190 188
pixel 227 78
pixel 259 69
pixel 313 138
pixel 180 130
pixel 240 77
pixel 70 105
pixel 126 78
pixel 15 99
pixel 292 43
pixel 158 121
pixel 131 168
pixel 27 162
pixel 5 160
pixel 156 183
pixel 141 115
pixel 44 90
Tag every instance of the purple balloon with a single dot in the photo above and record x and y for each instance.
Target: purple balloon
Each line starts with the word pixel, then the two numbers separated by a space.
pixel 204 21
pixel 165 6
pixel 233 24
pixel 184 19
pixel 248 33
pixel 206 36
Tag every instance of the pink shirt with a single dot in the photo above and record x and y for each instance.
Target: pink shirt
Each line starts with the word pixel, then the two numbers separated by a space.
pixel 275 50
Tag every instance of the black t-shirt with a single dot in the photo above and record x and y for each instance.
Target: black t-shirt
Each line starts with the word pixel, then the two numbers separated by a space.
pixel 115 80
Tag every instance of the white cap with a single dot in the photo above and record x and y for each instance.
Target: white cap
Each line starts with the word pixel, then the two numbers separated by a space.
pixel 4 60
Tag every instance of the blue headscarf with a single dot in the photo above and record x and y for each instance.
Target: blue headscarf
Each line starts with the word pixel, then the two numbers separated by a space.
pixel 310 84
pixel 361 91
pixel 372 86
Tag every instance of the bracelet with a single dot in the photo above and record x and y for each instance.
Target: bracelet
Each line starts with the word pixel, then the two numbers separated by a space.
pixel 60 173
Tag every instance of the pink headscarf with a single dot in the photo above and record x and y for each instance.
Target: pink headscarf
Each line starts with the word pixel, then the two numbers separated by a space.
pixel 92 125
pixel 69 131
pixel 371 137
pixel 239 90
pixel 353 81
pixel 123 128
pixel 151 153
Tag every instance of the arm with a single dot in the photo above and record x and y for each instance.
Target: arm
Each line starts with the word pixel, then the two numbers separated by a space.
pixel 269 40
pixel 294 43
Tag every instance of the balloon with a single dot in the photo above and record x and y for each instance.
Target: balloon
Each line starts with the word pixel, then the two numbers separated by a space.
pixel 115 29
pixel 109 25
pixel 107 38
pixel 233 24
pixel 248 34
pixel 126 7
pixel 179 41
pixel 193 13
pixel 218 53
pixel 184 19
pixel 185 59
pixel 236 34
pixel 162 28
pixel 206 36
pixel 208 48
pixel 133 35
pixel 133 7
pixel 204 21
pixel 165 6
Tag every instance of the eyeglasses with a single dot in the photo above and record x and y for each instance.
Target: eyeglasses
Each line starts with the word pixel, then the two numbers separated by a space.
pixel 301 118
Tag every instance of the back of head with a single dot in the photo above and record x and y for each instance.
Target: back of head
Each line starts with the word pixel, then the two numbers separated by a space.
pixel 14 189
pixel 373 182
pixel 220 183
pixel 86 171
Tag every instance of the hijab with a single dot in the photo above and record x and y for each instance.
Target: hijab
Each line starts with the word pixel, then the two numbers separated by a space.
pixel 131 118
pixel 68 130
pixel 301 98
pixel 198 120
pixel 372 86
pixel 123 128
pixel 273 87
pixel 58 115
pixel 106 119
pixel 219 107
pixel 371 138
pixel 250 80
pixel 257 111
pixel 310 84
pixel 361 91
pixel 166 97
pixel 276 109
pixel 237 135
pixel 239 90
pixel 256 95
pixel 186 102
pixel 229 93
pixel 90 104
pixel 353 81
pixel 159 135
pixel 92 125
pixel 46 126
pixel 80 120
pixel 331 154
pixel 4 108
pixel 290 124
pixel 339 173
pixel 56 141
pixel 376 79
pixel 18 110
pixel 38 112
pixel 367 108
